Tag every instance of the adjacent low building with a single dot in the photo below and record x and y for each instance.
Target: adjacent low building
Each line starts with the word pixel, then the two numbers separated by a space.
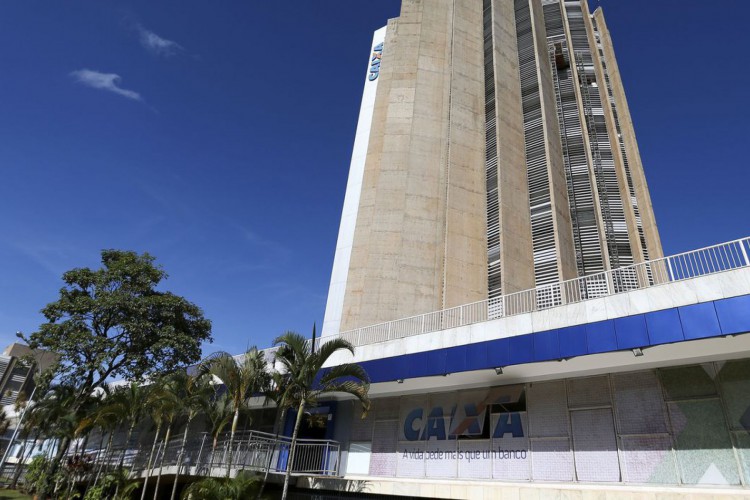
pixel 18 364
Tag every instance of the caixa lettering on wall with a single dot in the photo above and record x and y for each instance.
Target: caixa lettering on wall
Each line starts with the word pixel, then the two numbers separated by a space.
pixel 377 54
pixel 495 414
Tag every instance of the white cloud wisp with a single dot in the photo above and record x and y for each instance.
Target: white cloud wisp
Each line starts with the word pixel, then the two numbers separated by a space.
pixel 104 81
pixel 157 45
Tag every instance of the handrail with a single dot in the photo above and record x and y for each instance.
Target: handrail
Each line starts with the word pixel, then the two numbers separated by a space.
pixel 252 449
pixel 686 265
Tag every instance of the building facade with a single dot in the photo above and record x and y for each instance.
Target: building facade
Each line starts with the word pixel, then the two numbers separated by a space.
pixel 494 153
pixel 500 273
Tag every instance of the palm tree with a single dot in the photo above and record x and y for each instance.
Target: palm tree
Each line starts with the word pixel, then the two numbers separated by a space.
pixel 78 469
pixel 306 381
pixel 106 421
pixel 160 403
pixel 278 381
pixel 128 405
pixel 243 379
pixel 219 413
pixel 56 409
pixel 197 391
pixel 171 409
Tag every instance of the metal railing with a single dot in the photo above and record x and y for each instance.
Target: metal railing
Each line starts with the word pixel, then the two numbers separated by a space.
pixel 251 450
pixel 693 264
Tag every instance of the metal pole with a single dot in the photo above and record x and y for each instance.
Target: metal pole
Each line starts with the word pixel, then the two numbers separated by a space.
pixel 200 452
pixel 744 252
pixel 671 271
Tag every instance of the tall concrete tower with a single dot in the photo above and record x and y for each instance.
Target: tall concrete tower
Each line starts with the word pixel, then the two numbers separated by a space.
pixel 494 153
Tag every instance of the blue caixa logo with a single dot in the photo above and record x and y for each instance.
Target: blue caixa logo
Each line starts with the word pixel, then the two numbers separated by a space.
pixel 377 54
pixel 469 422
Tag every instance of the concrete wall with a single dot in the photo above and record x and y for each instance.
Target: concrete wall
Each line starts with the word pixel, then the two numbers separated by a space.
pixel 420 230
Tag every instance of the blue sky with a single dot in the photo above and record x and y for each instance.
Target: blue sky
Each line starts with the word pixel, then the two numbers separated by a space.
pixel 217 136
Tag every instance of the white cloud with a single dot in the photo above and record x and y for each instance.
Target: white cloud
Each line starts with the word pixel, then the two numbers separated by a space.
pixel 104 81
pixel 157 45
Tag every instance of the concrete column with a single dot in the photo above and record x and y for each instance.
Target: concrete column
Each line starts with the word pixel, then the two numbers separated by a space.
pixel 465 267
pixel 516 252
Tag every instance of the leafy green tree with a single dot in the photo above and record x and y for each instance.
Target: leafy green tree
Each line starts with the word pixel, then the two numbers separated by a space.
pixel 305 380
pixel 113 322
pixel 243 379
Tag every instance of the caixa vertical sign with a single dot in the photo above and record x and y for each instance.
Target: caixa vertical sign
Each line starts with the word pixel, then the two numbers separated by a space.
pixel 377 54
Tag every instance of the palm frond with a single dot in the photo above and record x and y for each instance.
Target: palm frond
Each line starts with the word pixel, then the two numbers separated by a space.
pixel 347 370
pixel 359 391
pixel 326 350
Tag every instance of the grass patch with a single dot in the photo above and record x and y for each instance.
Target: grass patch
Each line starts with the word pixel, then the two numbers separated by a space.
pixel 13 495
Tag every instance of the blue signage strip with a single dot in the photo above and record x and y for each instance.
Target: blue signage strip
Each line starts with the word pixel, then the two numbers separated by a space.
pixel 705 320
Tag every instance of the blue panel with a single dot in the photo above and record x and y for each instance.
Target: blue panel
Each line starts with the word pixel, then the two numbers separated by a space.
pixel 573 341
pixel 600 336
pixel 521 349
pixel 664 326
pixel 398 367
pixel 384 370
pixel 476 356
pixel 498 353
pixel 419 365
pixel 546 345
pixel 455 360
pixel 631 332
pixel 699 321
pixel 378 370
pixel 734 314
pixel 436 361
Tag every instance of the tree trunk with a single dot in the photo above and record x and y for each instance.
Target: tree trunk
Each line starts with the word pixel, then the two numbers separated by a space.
pixel 213 454
pixel 179 459
pixel 292 449
pixel 161 462
pixel 94 466
pixel 277 430
pixel 104 459
pixel 127 442
pixel 78 453
pixel 150 458
pixel 231 439
pixel 64 445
